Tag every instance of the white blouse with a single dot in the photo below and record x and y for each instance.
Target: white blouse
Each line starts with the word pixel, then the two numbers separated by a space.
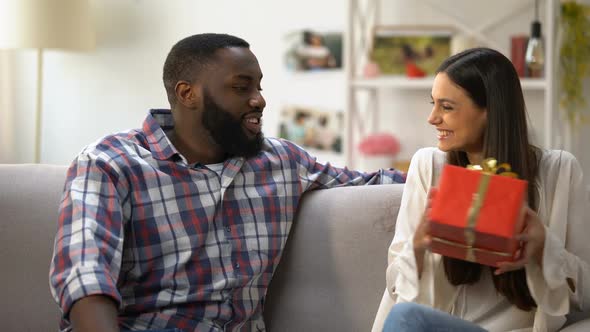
pixel 566 254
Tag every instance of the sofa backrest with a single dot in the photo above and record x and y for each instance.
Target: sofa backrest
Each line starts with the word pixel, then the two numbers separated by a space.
pixel 333 266
pixel 29 198
pixel 332 274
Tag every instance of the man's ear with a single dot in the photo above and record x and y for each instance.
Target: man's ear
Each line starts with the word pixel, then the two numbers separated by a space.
pixel 187 94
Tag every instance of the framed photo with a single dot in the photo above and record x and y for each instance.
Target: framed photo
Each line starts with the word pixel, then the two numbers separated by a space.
pixel 312 127
pixel 310 50
pixel 413 51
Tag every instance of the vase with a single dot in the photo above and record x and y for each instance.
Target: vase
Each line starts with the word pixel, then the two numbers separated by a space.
pixel 369 163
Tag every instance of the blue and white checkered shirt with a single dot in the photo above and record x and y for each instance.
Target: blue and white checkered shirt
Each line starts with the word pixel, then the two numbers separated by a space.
pixel 179 245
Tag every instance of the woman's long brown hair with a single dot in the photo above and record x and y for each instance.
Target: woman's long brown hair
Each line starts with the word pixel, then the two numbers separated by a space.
pixel 491 81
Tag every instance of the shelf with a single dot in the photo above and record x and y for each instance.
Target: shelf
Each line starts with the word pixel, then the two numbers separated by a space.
pixel 394 82
pixel 533 83
pixel 402 82
pixel 364 103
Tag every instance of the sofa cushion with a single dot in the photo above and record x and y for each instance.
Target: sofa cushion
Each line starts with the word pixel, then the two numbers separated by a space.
pixel 29 200
pixel 332 273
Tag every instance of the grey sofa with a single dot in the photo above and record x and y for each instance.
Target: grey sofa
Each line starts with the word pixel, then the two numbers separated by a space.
pixel 331 277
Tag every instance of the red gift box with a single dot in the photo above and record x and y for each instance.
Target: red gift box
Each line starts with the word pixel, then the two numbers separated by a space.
pixel 476 214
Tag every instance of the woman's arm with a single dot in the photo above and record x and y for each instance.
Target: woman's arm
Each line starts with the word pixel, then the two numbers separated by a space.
pixel 406 262
pixel 562 280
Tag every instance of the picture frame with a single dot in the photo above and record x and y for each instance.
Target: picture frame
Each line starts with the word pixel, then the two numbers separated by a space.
pixel 314 50
pixel 312 127
pixel 412 51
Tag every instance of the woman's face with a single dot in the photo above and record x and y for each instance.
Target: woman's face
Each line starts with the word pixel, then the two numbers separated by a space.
pixel 459 122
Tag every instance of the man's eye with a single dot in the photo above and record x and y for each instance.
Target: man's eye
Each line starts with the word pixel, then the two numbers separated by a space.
pixel 447 108
pixel 431 102
pixel 241 88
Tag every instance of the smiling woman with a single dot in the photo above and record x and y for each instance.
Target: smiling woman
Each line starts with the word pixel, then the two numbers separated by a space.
pixel 479 112
pixel 459 121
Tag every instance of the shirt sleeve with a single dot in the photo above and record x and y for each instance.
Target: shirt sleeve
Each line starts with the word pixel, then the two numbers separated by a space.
pixel 563 281
pixel 314 175
pixel 403 283
pixel 89 241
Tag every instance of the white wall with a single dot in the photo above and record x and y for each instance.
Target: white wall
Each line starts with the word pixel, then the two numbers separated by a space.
pixel 87 95
pixel 401 107
pixel 17 102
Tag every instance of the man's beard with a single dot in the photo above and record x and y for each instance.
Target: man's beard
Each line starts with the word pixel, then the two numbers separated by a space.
pixel 227 131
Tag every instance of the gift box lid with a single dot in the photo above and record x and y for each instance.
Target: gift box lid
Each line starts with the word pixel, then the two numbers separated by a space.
pixel 501 206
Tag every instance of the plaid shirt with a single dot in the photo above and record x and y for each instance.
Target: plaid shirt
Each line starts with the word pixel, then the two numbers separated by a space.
pixel 179 245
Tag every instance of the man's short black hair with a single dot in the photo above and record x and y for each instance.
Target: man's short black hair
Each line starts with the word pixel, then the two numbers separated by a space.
pixel 188 57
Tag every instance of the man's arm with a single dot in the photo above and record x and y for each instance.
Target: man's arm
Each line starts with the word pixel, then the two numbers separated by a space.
pixel 94 313
pixel 314 175
pixel 87 251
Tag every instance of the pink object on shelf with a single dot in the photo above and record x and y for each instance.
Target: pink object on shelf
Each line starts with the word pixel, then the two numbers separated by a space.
pixel 379 144
pixel 371 70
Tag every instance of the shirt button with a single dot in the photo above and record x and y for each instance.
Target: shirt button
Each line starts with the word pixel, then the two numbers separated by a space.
pixel 228 229
pixel 237 265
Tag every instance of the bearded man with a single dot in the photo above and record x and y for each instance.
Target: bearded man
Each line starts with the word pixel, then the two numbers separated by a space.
pixel 179 225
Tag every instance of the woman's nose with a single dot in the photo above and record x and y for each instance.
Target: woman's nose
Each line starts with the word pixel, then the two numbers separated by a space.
pixel 434 118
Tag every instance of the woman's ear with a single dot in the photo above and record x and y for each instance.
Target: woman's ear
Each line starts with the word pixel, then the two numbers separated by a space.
pixel 483 115
pixel 187 94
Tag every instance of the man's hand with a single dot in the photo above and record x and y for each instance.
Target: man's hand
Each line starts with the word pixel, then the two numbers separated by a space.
pixel 533 244
pixel 93 314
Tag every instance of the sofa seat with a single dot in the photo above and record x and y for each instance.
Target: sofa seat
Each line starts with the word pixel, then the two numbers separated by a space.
pixel 331 276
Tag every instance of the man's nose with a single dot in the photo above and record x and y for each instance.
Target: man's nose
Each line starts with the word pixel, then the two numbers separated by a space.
pixel 258 101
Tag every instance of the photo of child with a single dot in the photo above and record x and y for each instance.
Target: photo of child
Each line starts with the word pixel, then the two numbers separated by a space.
pixel 410 52
pixel 312 128
pixel 310 50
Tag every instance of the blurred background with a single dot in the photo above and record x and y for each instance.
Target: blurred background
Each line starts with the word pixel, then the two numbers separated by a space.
pixel 325 63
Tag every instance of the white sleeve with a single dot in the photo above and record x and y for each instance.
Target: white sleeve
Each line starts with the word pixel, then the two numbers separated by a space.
pixel 567 252
pixel 403 284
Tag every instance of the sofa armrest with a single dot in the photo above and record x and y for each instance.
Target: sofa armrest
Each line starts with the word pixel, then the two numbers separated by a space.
pixel 332 273
pixel 579 326
pixel 29 201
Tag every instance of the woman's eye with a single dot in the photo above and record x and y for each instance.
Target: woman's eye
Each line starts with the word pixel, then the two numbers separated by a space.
pixel 431 102
pixel 447 108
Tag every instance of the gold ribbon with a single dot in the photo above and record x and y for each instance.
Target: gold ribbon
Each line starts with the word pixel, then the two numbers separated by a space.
pixel 488 167
pixel 463 246
pixel 473 213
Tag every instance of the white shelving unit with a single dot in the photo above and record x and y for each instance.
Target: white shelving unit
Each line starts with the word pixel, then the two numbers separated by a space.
pixel 426 83
pixel 362 116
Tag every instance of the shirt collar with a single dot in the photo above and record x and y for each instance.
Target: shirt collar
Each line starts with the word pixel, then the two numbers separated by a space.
pixel 156 125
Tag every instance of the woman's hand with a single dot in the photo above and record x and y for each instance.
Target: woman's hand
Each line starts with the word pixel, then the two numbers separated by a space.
pixel 532 244
pixel 422 238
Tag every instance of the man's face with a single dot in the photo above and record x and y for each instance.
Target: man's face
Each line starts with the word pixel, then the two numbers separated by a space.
pixel 233 103
pixel 227 130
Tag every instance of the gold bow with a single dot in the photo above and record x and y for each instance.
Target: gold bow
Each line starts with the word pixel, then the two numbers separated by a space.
pixel 488 167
